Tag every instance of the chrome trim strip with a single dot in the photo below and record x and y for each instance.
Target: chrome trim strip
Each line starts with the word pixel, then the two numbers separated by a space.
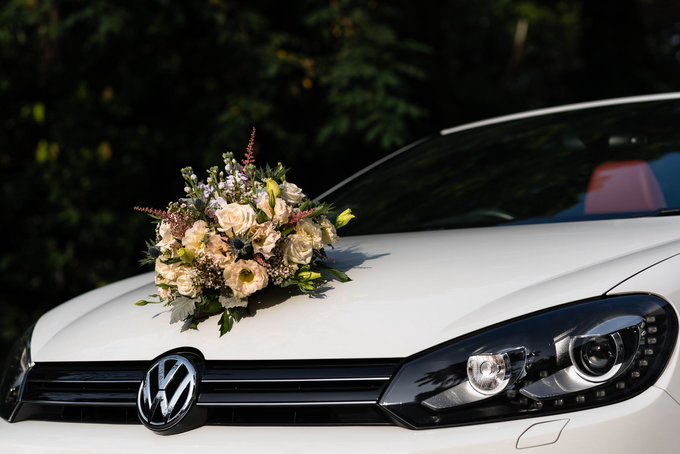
pixel 84 404
pixel 293 380
pixel 282 404
pixel 136 382
pixel 560 109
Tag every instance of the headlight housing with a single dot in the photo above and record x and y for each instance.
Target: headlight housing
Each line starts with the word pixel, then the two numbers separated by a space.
pixel 14 375
pixel 570 358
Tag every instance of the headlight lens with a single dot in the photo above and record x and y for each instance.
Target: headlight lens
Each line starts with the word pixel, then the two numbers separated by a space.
pixel 15 371
pixel 570 358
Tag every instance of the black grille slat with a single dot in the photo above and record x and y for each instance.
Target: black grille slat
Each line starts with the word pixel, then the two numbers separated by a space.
pixel 331 392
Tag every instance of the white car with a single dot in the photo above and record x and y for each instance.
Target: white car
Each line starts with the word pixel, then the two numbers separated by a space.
pixel 515 286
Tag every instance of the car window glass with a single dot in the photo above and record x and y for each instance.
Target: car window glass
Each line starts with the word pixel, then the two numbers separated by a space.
pixel 599 163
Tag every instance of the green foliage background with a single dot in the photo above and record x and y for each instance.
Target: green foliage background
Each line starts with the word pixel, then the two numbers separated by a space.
pixel 103 101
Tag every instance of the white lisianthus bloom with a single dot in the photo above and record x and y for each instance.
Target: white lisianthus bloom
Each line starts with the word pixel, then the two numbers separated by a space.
pixel 264 240
pixel 193 238
pixel 169 273
pixel 185 283
pixel 298 250
pixel 311 231
pixel 236 217
pixel 165 232
pixel 291 193
pixel 245 277
pixel 328 233
pixel 219 251
pixel 281 209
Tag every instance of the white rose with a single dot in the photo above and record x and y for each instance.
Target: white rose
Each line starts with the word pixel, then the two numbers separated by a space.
pixel 193 238
pixel 308 229
pixel 185 284
pixel 237 218
pixel 291 193
pixel 169 273
pixel 328 233
pixel 298 250
pixel 165 232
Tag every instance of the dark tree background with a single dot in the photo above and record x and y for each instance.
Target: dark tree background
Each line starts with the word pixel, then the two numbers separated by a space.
pixel 103 101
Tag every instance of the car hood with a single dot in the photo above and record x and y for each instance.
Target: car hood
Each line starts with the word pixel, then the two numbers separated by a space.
pixel 409 292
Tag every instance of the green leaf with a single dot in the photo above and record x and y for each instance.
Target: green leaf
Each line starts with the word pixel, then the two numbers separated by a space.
pixel 339 275
pixel 237 313
pixel 287 231
pixel 261 217
pixel 172 260
pixel 226 323
pixel 321 210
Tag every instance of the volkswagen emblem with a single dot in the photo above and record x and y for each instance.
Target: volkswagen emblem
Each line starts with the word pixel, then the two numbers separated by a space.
pixel 167 393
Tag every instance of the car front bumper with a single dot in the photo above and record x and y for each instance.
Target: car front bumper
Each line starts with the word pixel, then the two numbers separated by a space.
pixel 648 421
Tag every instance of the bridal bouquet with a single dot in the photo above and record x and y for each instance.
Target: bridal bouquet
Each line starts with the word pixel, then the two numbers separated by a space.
pixel 235 233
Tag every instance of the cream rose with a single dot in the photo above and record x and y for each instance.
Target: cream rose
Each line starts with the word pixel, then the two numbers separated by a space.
pixel 193 238
pixel 165 232
pixel 236 217
pixel 298 250
pixel 185 284
pixel 311 231
pixel 328 233
pixel 281 209
pixel 291 193
pixel 245 277
pixel 264 240
pixel 169 273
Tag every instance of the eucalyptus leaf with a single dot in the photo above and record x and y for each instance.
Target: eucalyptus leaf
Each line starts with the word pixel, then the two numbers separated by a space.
pixel 229 301
pixel 182 307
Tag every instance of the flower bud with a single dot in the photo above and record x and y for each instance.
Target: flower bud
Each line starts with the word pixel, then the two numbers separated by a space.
pixel 186 255
pixel 273 188
pixel 154 252
pixel 309 275
pixel 343 218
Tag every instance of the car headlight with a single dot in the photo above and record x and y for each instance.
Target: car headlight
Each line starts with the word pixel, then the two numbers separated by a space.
pixel 570 358
pixel 14 374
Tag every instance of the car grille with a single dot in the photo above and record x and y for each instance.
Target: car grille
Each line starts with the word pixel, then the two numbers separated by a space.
pixel 337 392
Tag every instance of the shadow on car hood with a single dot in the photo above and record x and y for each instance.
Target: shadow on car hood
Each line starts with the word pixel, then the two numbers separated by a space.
pixel 409 292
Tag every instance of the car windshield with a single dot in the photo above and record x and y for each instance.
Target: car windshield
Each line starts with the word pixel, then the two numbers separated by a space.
pixel 588 164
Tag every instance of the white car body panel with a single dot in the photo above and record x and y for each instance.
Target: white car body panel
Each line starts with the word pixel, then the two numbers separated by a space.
pixel 491 275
